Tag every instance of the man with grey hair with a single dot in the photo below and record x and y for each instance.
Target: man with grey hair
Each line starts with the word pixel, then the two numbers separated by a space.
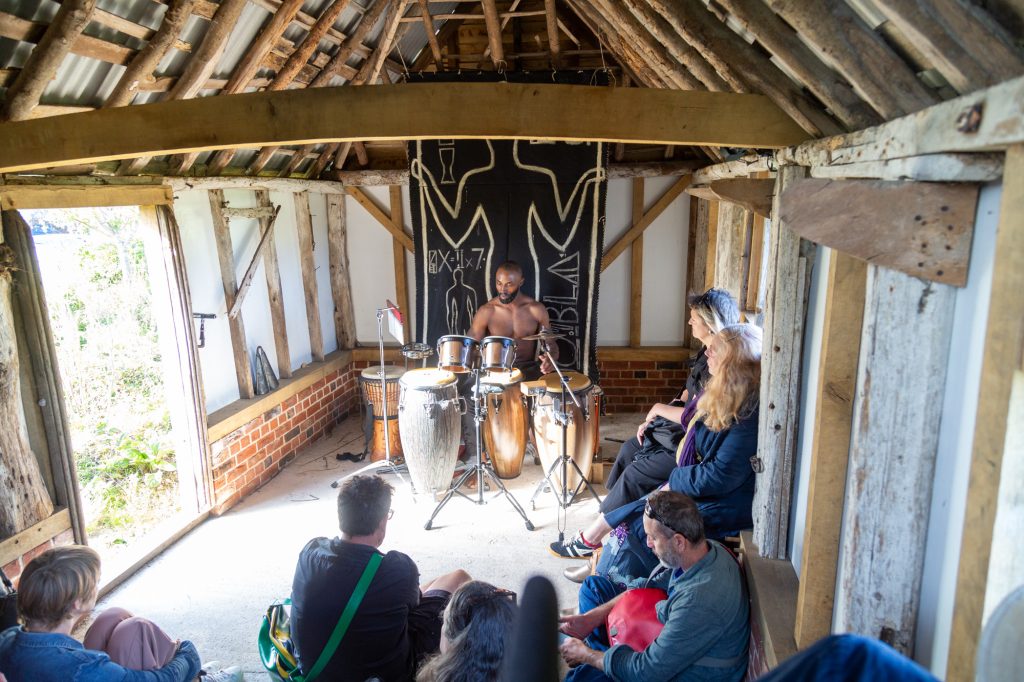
pixel 706 616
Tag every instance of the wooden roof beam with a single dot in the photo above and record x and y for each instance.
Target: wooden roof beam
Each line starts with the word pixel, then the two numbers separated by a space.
pixel 632 64
pixel 316 115
pixel 493 33
pixel 551 24
pixel 428 27
pixel 41 65
pixel 783 42
pixel 965 45
pixel 732 55
pixel 859 54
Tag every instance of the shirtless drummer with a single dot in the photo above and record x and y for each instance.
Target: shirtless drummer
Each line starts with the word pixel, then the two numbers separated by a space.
pixel 514 314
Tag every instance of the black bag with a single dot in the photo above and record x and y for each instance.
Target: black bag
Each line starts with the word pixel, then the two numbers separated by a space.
pixel 8 604
pixel 663 433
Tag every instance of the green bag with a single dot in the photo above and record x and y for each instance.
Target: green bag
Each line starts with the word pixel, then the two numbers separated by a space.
pixel 277 652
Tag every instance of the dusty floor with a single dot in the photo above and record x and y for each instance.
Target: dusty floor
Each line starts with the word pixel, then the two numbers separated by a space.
pixel 213 586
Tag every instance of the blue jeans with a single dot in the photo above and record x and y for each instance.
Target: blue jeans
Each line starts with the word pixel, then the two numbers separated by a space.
pixel 848 658
pixel 596 590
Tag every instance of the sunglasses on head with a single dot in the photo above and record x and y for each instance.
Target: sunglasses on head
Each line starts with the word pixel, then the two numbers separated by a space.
pixel 653 515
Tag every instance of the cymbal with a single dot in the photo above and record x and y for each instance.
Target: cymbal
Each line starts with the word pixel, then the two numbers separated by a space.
pixel 542 336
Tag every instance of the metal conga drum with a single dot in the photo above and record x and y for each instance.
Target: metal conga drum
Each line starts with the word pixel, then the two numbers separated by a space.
pixel 505 423
pixel 373 393
pixel 580 430
pixel 455 353
pixel 429 420
pixel 497 353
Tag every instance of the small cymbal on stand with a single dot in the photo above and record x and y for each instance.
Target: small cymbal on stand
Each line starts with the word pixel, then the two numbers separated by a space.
pixel 543 336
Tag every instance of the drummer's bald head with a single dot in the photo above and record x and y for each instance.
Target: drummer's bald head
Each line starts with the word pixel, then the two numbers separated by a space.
pixel 510 267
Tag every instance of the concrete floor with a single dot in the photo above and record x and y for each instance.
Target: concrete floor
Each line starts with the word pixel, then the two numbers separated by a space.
pixel 213 586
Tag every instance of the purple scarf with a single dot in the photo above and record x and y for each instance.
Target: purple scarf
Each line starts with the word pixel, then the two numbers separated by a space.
pixel 688 451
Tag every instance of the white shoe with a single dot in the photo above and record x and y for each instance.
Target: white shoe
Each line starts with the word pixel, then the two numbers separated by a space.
pixel 211 673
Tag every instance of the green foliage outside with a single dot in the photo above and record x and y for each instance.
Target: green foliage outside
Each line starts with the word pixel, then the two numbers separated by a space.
pixel 95 278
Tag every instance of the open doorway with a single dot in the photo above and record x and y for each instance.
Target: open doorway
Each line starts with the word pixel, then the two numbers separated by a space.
pixel 106 290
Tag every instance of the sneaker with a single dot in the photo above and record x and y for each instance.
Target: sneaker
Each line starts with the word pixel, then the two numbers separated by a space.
pixel 573 549
pixel 210 673
pixel 577 574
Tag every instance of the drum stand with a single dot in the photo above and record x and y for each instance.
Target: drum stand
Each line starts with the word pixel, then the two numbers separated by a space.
pixel 564 497
pixel 387 466
pixel 481 467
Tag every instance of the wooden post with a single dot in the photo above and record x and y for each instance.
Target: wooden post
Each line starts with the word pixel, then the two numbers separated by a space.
pixel 896 416
pixel 709 269
pixel 729 271
pixel 830 445
pixel 1004 352
pixel 226 258
pixel 341 289
pixel 694 260
pixel 789 264
pixel 273 274
pixel 304 226
pixel 636 271
pixel 24 499
pixel 398 223
pixel 753 283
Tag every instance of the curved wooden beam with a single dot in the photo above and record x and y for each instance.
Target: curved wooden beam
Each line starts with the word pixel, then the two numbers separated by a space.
pixel 385 112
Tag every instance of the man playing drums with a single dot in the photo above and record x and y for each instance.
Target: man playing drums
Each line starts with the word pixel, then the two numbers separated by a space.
pixel 514 314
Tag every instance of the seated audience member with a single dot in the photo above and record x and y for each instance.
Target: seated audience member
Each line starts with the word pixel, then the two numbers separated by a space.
pixel 477 625
pixel 57 589
pixel 398 622
pixel 645 463
pixel 706 616
pixel 714 459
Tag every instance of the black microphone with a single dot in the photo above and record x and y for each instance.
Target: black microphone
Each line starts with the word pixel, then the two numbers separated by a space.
pixel 533 654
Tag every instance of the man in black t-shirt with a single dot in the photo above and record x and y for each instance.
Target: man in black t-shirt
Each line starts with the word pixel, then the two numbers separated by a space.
pixel 398 621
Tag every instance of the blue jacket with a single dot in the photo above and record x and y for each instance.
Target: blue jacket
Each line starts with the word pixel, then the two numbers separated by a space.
pixel 49 657
pixel 707 627
pixel 722 483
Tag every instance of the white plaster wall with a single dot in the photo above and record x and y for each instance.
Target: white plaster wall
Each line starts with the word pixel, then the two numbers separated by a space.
pixel 956 438
pixel 192 209
pixel 371 266
pixel 663 318
pixel 814 330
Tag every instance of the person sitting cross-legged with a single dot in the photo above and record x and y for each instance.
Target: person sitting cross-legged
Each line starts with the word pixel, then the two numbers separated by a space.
pixel 397 623
pixel 706 616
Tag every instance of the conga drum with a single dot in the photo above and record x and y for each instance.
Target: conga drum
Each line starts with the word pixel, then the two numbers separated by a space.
pixel 580 431
pixel 504 426
pixel 374 395
pixel 455 353
pixel 429 421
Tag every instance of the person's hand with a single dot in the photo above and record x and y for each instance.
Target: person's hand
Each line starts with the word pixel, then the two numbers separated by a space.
pixel 546 366
pixel 640 432
pixel 664 486
pixel 574 652
pixel 580 625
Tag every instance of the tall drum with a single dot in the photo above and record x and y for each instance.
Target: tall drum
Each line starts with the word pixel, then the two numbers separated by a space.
pixel 581 428
pixel 374 394
pixel 505 422
pixel 429 420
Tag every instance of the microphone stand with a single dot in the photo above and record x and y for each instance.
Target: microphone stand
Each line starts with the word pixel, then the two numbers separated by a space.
pixel 563 496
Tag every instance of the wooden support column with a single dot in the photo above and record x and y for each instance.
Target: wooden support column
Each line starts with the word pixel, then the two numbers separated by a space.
pixel 341 288
pixel 304 226
pixel 751 302
pixel 24 499
pixel 789 263
pixel 1003 353
pixel 273 274
pixel 712 244
pixel 729 271
pixel 696 257
pixel 896 416
pixel 226 258
pixel 636 270
pixel 830 445
pixel 398 222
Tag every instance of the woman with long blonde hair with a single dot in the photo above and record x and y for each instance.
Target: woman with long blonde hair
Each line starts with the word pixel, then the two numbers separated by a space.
pixel 713 460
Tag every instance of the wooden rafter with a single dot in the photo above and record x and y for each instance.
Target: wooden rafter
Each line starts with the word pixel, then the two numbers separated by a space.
pixel 142 65
pixel 551 24
pixel 493 33
pixel 631 62
pixel 45 58
pixel 428 27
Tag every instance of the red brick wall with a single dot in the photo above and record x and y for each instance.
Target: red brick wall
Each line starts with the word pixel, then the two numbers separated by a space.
pixel 634 385
pixel 13 569
pixel 254 453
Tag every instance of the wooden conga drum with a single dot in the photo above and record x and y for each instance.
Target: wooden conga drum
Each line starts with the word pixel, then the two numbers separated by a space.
pixel 373 393
pixel 580 431
pixel 429 415
pixel 504 426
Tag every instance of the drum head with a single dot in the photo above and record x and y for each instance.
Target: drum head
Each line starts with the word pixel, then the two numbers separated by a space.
pixel 503 340
pixel 577 382
pixel 457 338
pixel 391 372
pixel 502 378
pixel 426 378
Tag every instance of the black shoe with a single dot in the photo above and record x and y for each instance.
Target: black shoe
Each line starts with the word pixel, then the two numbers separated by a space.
pixel 572 549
